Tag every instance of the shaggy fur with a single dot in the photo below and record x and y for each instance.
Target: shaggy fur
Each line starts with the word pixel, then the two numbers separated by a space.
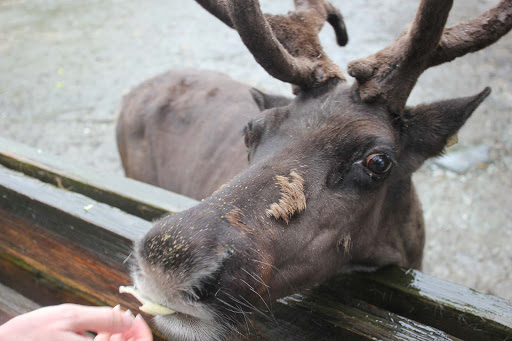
pixel 292 198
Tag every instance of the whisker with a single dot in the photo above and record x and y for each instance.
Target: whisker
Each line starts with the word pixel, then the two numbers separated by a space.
pixel 231 324
pixel 256 278
pixel 272 266
pixel 254 291
pixel 247 321
pixel 279 272
pixel 265 263
pixel 239 309
pixel 262 313
pixel 247 305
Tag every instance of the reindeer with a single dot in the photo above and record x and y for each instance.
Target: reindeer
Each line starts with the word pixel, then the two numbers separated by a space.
pixel 329 184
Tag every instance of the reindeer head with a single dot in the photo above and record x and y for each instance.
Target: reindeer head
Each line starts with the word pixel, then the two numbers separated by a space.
pixel 329 183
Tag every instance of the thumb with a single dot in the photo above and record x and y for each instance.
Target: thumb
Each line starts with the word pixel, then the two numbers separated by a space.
pixel 140 331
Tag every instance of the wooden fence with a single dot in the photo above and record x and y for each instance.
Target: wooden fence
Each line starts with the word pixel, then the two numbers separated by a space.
pixel 66 235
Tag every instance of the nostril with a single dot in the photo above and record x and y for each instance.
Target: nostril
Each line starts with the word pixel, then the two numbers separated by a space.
pixel 204 291
pixel 208 287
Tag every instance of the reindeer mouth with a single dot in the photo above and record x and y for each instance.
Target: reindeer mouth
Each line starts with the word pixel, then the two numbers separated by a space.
pixel 148 306
pixel 174 324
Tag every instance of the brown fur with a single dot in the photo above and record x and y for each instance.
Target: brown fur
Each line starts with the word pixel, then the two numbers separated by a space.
pixel 346 243
pixel 235 218
pixel 177 114
pixel 292 198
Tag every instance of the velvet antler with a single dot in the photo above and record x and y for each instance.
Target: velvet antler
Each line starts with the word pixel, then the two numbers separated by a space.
pixel 391 73
pixel 286 46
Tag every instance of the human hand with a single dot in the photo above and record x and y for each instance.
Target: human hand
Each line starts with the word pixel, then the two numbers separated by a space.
pixel 68 322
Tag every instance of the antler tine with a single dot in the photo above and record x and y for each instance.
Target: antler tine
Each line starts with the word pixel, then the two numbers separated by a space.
pixel 335 18
pixel 391 73
pixel 473 35
pixel 325 9
pixel 286 46
pixel 218 8
pixel 259 38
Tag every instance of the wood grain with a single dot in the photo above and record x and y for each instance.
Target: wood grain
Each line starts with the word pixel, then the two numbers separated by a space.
pixel 137 198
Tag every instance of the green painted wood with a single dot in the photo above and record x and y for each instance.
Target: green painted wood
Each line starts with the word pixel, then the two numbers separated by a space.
pixel 455 309
pixel 134 197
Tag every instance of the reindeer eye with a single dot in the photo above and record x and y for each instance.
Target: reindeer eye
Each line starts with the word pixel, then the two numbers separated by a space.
pixel 379 163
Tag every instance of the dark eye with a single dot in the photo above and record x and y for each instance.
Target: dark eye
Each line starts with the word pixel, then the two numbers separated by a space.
pixel 379 163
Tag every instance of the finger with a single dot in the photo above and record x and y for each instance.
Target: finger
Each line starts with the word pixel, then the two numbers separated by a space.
pixel 117 337
pixel 102 337
pixel 140 330
pixel 65 337
pixel 97 319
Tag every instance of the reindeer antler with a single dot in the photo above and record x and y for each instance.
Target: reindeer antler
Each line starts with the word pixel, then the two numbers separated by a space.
pixel 286 46
pixel 391 73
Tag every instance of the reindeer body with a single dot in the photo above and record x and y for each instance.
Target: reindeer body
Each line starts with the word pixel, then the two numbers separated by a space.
pixel 173 130
pixel 329 183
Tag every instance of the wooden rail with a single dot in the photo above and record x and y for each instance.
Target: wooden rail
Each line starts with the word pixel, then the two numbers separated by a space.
pixel 66 236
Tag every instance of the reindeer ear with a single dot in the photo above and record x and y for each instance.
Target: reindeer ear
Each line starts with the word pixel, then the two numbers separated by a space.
pixel 429 126
pixel 265 101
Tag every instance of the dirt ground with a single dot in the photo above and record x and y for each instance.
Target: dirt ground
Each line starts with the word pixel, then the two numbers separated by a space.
pixel 65 64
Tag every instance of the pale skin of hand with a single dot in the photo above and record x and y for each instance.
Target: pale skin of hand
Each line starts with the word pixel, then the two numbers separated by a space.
pixel 68 322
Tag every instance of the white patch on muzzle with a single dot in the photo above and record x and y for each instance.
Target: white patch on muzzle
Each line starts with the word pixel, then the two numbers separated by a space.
pixel 292 198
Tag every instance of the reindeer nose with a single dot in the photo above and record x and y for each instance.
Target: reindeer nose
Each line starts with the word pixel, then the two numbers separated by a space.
pixel 189 251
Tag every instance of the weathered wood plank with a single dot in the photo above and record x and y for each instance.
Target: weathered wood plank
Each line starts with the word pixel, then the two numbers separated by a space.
pixel 361 318
pixel 46 231
pixel 288 324
pixel 310 317
pixel 96 226
pixel 455 309
pixel 45 290
pixel 34 284
pixel 74 268
pixel 134 197
pixel 13 304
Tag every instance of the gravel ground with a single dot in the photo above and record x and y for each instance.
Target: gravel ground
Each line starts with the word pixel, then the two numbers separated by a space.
pixel 65 64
